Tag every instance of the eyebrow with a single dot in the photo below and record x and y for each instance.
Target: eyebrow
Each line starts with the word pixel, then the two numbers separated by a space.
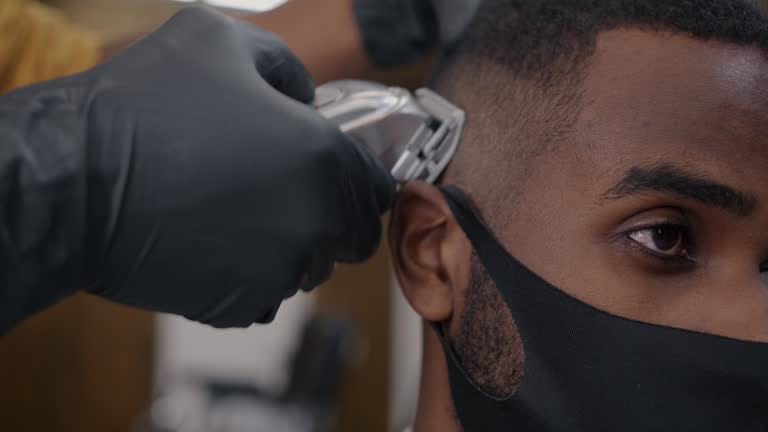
pixel 671 179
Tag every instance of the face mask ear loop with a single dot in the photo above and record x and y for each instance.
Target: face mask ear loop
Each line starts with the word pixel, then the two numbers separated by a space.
pixel 465 212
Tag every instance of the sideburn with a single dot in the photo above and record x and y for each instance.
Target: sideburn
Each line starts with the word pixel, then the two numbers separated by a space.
pixel 487 342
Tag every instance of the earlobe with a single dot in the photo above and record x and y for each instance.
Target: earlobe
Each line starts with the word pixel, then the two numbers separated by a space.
pixel 430 252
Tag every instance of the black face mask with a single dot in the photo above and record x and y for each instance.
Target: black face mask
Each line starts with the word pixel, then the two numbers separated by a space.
pixel 588 370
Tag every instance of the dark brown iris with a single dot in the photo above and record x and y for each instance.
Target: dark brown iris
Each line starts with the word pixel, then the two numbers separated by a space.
pixel 666 237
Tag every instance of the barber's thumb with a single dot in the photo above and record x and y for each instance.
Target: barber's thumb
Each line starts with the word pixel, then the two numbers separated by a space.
pixel 370 191
pixel 373 173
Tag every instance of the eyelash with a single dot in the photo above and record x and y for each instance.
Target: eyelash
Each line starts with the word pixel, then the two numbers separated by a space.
pixel 686 259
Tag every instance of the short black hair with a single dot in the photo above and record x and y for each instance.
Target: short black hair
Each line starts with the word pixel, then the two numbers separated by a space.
pixel 531 56
pixel 531 36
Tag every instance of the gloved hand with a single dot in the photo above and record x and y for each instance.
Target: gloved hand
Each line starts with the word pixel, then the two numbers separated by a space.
pixel 396 32
pixel 210 189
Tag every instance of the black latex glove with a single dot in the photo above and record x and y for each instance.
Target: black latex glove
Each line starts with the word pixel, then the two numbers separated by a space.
pixel 184 175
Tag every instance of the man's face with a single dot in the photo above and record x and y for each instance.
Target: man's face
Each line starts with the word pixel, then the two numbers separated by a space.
pixel 658 208
pixel 655 209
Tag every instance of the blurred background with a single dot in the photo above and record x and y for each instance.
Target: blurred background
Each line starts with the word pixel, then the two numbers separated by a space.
pixel 345 358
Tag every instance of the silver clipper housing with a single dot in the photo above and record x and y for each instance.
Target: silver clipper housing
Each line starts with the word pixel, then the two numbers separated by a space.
pixel 414 136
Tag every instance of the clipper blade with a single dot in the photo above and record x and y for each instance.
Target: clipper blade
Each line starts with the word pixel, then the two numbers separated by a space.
pixel 414 136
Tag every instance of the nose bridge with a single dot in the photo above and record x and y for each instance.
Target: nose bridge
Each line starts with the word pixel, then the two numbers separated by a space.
pixel 740 300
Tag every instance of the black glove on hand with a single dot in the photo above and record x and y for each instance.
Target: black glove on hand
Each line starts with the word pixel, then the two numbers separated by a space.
pixel 396 32
pixel 197 181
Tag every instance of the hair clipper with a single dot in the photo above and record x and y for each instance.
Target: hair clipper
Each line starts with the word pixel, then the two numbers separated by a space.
pixel 413 135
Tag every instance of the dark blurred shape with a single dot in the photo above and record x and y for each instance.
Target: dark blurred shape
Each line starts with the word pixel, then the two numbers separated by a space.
pixel 318 366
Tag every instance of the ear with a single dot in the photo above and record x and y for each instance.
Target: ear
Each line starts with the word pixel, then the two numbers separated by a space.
pixel 430 252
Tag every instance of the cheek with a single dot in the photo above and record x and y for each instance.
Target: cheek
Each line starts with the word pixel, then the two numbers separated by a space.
pixel 551 229
pixel 546 236
pixel 538 224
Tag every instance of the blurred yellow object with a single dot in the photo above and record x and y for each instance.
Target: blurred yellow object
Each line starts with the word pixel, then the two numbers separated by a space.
pixel 38 43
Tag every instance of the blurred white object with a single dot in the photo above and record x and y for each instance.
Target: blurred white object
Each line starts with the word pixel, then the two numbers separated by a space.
pixel 406 361
pixel 258 355
pixel 248 416
pixel 248 5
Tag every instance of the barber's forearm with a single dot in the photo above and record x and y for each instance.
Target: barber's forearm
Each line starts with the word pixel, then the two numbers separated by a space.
pixel 323 33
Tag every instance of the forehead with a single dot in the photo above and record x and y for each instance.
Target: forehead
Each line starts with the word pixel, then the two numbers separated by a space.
pixel 652 97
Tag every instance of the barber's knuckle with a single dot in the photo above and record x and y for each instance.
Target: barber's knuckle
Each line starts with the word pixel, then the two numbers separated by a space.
pixel 277 51
pixel 191 13
pixel 323 158
pixel 330 146
pixel 277 44
pixel 200 15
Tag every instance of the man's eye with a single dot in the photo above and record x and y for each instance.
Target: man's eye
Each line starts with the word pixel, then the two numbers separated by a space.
pixel 662 240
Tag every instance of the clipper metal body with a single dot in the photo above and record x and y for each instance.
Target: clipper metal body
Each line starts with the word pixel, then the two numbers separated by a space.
pixel 415 136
